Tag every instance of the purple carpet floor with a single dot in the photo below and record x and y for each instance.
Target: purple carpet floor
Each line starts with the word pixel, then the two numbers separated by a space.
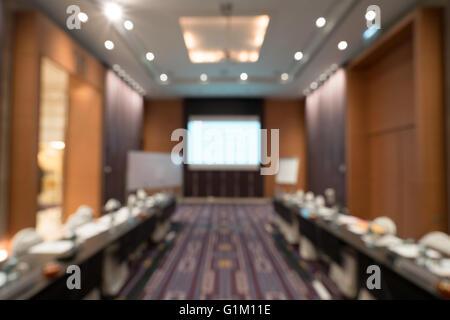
pixel 226 252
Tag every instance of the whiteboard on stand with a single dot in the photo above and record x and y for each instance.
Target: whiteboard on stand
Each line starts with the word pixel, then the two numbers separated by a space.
pixel 288 171
pixel 152 170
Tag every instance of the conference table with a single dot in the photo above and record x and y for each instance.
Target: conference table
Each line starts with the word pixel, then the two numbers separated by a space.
pixel 401 278
pixel 33 284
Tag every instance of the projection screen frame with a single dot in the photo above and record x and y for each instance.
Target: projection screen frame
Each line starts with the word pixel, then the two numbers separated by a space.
pixel 224 167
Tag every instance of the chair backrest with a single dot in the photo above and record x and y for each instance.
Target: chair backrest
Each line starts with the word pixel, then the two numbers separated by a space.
pixel 24 240
pixel 112 205
pixel 437 240
pixel 132 199
pixel 83 215
pixel 387 224
pixel 320 202
pixel 309 197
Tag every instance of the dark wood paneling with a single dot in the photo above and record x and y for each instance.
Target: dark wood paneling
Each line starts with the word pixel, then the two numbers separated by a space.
pixel 203 183
pixel 325 134
pixel 123 125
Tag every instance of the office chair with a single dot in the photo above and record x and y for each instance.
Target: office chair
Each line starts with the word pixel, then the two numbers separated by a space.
pixel 438 241
pixel 83 215
pixel 24 240
pixel 387 224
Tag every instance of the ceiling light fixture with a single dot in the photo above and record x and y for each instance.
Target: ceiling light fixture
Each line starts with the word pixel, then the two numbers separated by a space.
pixel 314 85
pixel 320 22
pixel 244 76
pixel 370 15
pixel 211 40
pixel 206 56
pixel 163 77
pixel 150 56
pixel 204 77
pixel 109 44
pixel 113 11
pixel 130 81
pixel 298 55
pixel 285 76
pixel 83 17
pixel 128 25
pixel 342 45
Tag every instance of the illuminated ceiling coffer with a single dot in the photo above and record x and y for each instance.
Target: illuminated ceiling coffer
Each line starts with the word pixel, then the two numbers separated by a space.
pixel 224 38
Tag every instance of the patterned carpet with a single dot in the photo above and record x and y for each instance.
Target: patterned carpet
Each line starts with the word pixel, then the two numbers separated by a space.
pixel 226 252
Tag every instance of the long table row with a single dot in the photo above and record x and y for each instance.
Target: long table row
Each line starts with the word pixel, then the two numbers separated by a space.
pixel 89 257
pixel 401 278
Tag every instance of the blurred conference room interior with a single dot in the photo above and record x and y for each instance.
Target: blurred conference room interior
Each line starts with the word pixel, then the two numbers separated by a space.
pixel 226 149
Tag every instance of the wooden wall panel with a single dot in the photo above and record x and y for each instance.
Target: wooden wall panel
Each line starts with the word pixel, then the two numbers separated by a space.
pixel 389 107
pixel 396 128
pixel 24 127
pixel 357 151
pixel 429 117
pixel 83 157
pixel 161 117
pixel 124 109
pixel 56 44
pixel 35 36
pixel 325 134
pixel 289 117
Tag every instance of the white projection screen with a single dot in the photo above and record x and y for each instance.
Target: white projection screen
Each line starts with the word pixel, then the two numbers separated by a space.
pixel 223 142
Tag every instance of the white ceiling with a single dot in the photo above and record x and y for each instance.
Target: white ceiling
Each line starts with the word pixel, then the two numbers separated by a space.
pixel 292 28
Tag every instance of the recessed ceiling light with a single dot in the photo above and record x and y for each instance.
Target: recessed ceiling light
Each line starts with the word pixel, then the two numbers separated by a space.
pixel 244 76
pixel 306 92
pixel 113 11
pixel 150 56
pixel 204 77
pixel 163 77
pixel 323 77
pixel 370 15
pixel 116 67
pixel 128 25
pixel 320 22
pixel 298 55
pixel 284 76
pixel 334 67
pixel 342 45
pixel 314 85
pixel 83 17
pixel 109 44
pixel 200 33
